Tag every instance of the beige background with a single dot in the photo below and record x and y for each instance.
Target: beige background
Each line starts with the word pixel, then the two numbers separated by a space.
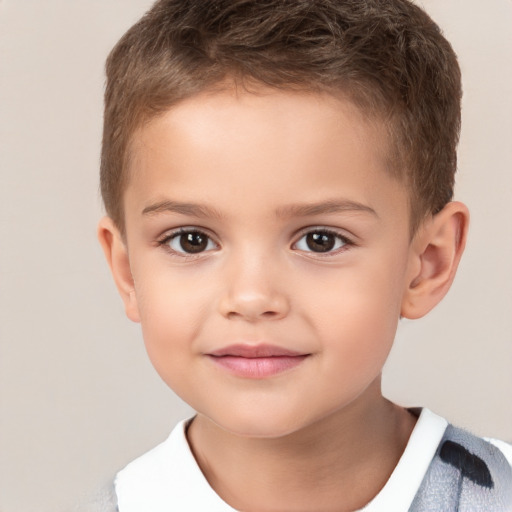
pixel 78 399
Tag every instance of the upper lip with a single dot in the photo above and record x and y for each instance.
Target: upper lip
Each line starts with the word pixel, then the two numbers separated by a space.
pixel 254 351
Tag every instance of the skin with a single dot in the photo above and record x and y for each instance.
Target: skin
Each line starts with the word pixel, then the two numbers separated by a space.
pixel 255 173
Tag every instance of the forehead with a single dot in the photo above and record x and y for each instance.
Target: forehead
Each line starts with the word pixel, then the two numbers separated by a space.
pixel 262 146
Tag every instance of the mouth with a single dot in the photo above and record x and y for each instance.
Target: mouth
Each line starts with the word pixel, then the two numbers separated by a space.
pixel 256 361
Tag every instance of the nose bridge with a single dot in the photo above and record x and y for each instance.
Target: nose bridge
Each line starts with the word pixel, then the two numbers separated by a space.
pixel 253 288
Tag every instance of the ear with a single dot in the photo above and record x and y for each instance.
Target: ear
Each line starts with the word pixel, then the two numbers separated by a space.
pixel 435 254
pixel 116 254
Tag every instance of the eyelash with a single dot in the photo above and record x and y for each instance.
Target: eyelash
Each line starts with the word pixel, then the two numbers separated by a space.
pixel 164 242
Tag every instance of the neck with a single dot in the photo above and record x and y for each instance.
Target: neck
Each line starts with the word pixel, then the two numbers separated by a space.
pixel 338 463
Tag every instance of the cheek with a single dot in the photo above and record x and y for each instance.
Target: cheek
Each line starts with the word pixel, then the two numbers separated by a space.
pixel 361 329
pixel 357 343
pixel 360 309
pixel 169 298
pixel 170 314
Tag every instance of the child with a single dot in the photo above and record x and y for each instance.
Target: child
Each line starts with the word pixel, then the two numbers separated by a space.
pixel 278 177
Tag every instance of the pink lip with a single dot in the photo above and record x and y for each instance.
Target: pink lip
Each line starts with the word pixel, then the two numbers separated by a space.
pixel 256 361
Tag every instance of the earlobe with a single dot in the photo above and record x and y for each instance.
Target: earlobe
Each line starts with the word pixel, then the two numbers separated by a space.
pixel 116 254
pixel 435 254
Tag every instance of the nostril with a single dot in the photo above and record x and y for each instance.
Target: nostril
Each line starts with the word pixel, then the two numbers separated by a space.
pixel 253 314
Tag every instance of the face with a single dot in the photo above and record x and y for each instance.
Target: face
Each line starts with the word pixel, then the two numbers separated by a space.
pixel 269 251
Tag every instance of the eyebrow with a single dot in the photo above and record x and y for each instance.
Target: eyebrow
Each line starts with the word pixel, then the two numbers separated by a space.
pixel 324 207
pixel 190 209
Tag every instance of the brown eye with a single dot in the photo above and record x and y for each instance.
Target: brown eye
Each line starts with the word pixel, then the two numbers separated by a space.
pixel 190 242
pixel 321 241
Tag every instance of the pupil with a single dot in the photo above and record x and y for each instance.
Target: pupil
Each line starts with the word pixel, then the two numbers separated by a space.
pixel 193 242
pixel 320 242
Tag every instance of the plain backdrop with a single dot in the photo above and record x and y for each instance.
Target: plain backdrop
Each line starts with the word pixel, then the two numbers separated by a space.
pixel 78 398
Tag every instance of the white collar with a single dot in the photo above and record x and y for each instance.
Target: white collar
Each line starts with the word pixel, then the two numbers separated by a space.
pixel 403 484
pixel 168 477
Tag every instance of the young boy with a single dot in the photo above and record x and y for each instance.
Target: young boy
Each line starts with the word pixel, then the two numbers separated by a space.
pixel 278 177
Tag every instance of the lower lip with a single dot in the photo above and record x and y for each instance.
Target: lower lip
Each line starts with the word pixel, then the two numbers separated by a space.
pixel 257 367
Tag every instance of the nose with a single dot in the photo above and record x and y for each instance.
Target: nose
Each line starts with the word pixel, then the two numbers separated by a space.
pixel 252 291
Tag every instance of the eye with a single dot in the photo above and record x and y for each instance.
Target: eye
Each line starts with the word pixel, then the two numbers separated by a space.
pixel 189 242
pixel 321 241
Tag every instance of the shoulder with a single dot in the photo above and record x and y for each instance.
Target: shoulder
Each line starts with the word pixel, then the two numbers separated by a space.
pixel 151 475
pixel 467 473
pixel 104 500
pixel 503 447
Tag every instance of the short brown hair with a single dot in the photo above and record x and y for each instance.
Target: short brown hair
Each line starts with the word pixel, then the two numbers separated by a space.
pixel 388 56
